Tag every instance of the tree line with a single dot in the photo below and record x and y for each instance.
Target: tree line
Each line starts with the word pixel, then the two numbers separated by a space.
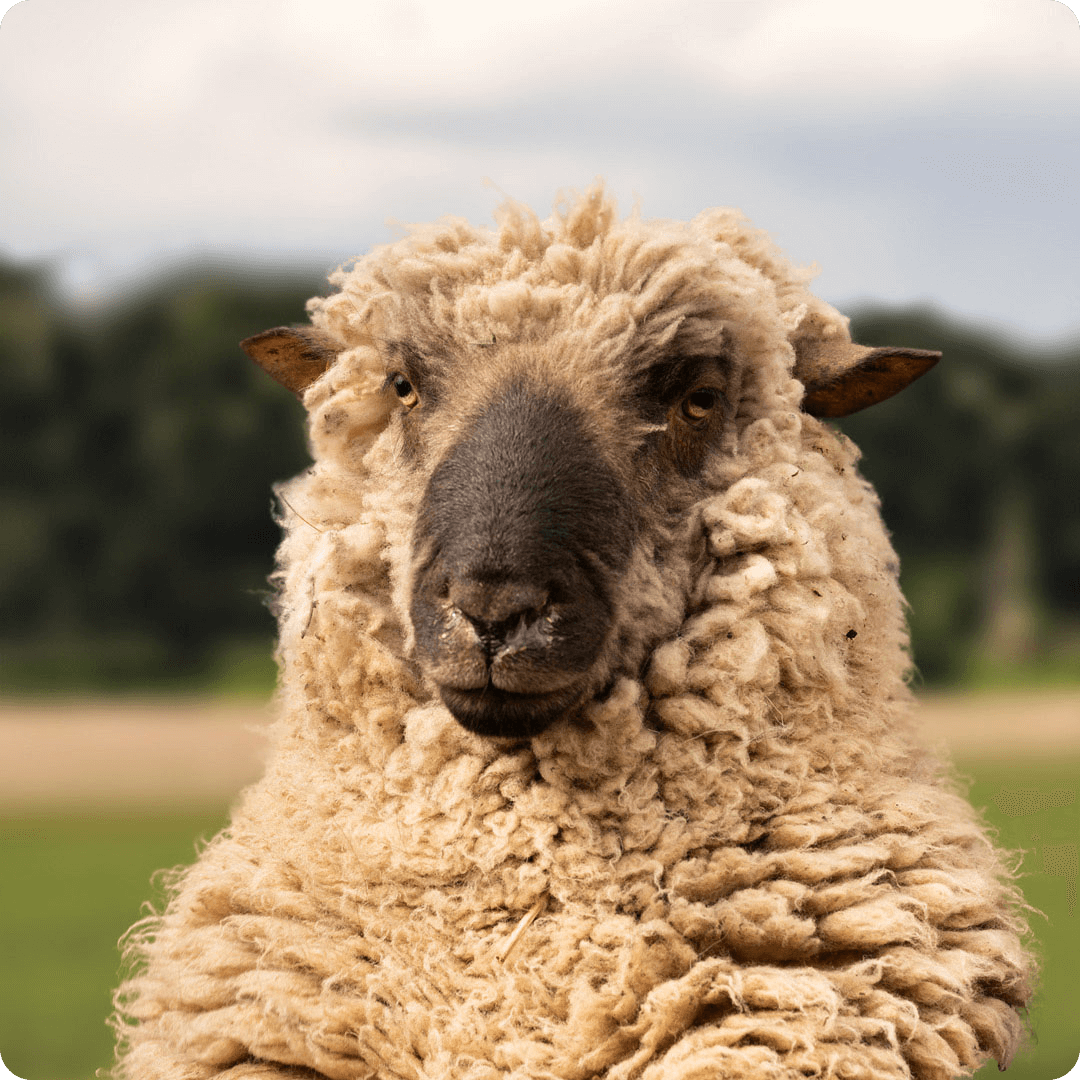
pixel 139 446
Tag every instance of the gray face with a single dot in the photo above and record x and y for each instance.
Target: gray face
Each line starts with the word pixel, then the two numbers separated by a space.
pixel 529 522
pixel 520 540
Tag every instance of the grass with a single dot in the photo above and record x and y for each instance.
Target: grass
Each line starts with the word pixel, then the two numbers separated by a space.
pixel 71 885
pixel 1056 669
pixel 1018 800
pixel 241 668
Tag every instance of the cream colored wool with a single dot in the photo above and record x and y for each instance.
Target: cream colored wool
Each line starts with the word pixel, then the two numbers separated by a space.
pixel 738 863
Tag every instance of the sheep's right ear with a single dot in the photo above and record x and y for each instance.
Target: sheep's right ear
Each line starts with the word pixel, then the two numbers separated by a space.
pixel 294 356
pixel 844 378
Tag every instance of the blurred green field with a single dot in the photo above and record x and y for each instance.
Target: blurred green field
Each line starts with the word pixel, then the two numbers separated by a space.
pixel 72 884
pixel 1054 1046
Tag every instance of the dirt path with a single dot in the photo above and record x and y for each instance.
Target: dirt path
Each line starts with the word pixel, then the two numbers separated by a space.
pixel 115 753
pixel 128 752
pixel 1015 723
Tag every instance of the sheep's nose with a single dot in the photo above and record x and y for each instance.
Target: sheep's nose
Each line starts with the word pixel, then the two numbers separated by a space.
pixel 496 610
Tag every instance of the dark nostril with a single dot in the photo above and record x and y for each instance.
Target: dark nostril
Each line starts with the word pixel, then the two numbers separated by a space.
pixel 494 635
pixel 497 609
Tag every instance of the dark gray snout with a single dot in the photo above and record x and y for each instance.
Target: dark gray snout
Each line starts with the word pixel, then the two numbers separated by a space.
pixel 522 533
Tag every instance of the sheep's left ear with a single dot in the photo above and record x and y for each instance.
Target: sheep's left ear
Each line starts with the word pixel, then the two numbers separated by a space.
pixel 294 356
pixel 841 378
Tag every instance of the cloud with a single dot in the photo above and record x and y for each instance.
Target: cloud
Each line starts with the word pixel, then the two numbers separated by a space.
pixel 859 55
pixel 896 139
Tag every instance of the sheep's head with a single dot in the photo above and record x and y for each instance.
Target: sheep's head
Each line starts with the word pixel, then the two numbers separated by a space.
pixel 554 541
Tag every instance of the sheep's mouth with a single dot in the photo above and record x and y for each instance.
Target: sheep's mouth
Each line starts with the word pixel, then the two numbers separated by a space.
pixel 511 676
pixel 494 712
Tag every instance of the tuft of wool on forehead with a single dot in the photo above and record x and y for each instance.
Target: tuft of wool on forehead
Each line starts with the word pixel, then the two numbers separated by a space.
pixel 732 858
pixel 610 283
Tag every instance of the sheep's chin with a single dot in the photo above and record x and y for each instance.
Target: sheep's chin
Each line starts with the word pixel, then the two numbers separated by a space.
pixel 502 713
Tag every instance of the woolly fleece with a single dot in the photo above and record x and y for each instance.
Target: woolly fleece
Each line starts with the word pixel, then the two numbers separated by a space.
pixel 738 863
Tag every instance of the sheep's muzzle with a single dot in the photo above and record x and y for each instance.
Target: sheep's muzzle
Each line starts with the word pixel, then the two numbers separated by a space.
pixel 522 532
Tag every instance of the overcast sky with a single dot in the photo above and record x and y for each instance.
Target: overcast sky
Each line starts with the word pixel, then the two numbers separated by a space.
pixel 915 150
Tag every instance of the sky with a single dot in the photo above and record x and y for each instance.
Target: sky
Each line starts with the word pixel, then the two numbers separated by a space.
pixel 916 151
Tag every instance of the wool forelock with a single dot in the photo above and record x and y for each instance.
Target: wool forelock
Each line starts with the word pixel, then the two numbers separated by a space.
pixel 737 862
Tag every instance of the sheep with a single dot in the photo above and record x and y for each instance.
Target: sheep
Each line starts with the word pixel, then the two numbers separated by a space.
pixel 595 753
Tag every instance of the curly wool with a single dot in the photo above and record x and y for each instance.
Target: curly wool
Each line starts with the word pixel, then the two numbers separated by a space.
pixel 738 862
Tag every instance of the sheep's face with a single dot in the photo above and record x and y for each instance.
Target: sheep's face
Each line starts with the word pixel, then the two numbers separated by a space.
pixel 543 481
pixel 554 542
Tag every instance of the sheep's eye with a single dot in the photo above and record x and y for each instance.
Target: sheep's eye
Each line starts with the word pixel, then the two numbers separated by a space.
pixel 404 390
pixel 697 406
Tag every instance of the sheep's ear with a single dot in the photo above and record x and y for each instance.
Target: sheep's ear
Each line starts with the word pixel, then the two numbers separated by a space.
pixel 842 378
pixel 294 356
